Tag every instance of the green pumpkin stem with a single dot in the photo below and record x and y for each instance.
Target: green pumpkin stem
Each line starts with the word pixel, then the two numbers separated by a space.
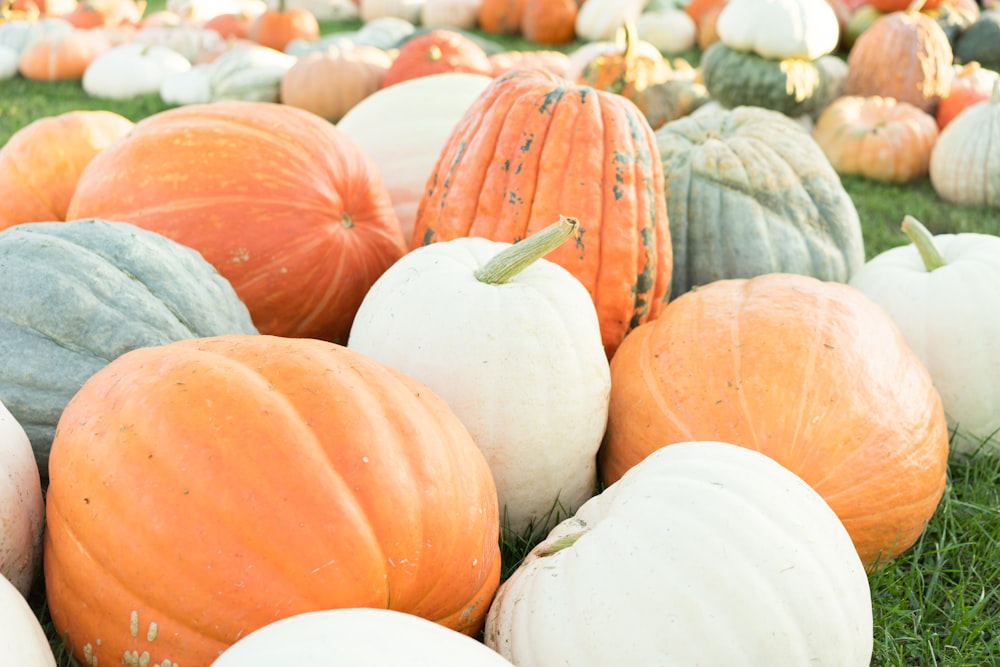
pixel 559 544
pixel 511 261
pixel 922 238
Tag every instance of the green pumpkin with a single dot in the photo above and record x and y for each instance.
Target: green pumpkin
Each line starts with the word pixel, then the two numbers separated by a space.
pixel 749 192
pixel 78 294
pixel 792 86
pixel 980 42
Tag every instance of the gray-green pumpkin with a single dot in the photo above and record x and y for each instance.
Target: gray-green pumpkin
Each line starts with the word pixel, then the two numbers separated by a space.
pixel 76 295
pixel 793 86
pixel 980 42
pixel 749 192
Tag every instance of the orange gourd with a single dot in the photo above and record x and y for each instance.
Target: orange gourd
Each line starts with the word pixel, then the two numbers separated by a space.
pixel 286 206
pixel 549 22
pixel 62 57
pixel 971 83
pixel 533 146
pixel 106 13
pixel 277 27
pixel 234 25
pixel 41 163
pixel 437 51
pixel 201 490
pixel 813 374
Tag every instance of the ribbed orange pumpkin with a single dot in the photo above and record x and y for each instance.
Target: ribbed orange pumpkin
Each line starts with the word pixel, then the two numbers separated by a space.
pixel 811 373
pixel 533 146
pixel 41 163
pixel 203 489
pixel 62 57
pixel 287 207
pixel 437 51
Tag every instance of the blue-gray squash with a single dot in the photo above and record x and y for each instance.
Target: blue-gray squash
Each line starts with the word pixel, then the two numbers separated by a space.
pixel 76 295
pixel 749 192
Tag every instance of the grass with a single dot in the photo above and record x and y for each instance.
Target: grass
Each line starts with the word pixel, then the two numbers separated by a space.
pixel 937 604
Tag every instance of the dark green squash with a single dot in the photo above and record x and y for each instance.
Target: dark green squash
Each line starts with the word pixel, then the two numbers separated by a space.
pixel 792 86
pixel 78 294
pixel 980 42
pixel 749 192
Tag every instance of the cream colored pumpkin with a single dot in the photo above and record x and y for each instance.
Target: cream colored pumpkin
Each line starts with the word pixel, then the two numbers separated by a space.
pixel 965 160
pixel 406 146
pixel 941 291
pixel 189 87
pixel 8 62
pixel 671 29
pixel 521 362
pixel 358 638
pixel 22 640
pixel 408 10
pixel 462 14
pixel 22 510
pixel 704 553
pixel 131 69
pixel 779 29
pixel 600 19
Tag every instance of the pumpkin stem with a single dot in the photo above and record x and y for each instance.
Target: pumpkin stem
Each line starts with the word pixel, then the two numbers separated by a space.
pixel 625 38
pixel 512 260
pixel 915 6
pixel 559 544
pixel 922 238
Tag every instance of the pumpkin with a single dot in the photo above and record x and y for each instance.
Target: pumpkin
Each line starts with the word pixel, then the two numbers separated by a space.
pixel 105 13
pixel 9 62
pixel 62 57
pixel 876 137
pixel 965 167
pixel 793 86
pixel 555 61
pixel 385 33
pixel 357 637
pixel 83 292
pixel 534 145
pixel 812 373
pixel 933 289
pixel 41 162
pixel 408 10
pixel 301 244
pixel 275 28
pixel 450 13
pixel 43 7
pixel 980 42
pixel 131 69
pixel 748 192
pixel 598 20
pixel 190 87
pixel 22 639
pixel 920 54
pixel 231 24
pixel 186 39
pixel 330 82
pixel 698 539
pixel 628 70
pixel 405 147
pixel 971 83
pixel 436 52
pixel 250 73
pixel 200 11
pixel 513 345
pixel 671 30
pixel 285 475
pixel 549 22
pixel 18 34
pixel 779 29
pixel 583 55
pixel 22 510
pixel 680 95
pixel 502 17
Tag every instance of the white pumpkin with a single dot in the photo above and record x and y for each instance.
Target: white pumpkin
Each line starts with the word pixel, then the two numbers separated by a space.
pixel 670 30
pixel 704 553
pixel 18 34
pixel 385 32
pixel 965 163
pixel 408 10
pixel 200 11
pixel 9 61
pixel 779 29
pixel 463 14
pixel 600 19
pixel 520 362
pixel 358 638
pixel 190 87
pixel 941 291
pixel 406 146
pixel 186 39
pixel 22 510
pixel 249 73
pixel 131 69
pixel 22 640
pixel 324 10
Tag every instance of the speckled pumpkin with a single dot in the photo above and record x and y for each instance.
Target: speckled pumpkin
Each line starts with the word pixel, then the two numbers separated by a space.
pixel 534 146
pixel 748 192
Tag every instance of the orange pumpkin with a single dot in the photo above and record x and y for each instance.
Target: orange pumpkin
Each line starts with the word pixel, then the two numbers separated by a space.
pixel 549 22
pixel 971 83
pixel 275 28
pixel 331 81
pixel 287 207
pixel 876 137
pixel 201 490
pixel 533 146
pixel 41 163
pixel 62 57
pixel 231 24
pixel 106 13
pixel 502 17
pixel 437 51
pixel 813 374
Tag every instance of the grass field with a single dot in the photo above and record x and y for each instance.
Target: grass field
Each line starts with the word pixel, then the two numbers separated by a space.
pixel 939 603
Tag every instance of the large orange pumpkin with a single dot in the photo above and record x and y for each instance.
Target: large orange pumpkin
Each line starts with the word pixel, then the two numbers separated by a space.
pixel 813 374
pixel 41 163
pixel 286 206
pixel 533 146
pixel 203 489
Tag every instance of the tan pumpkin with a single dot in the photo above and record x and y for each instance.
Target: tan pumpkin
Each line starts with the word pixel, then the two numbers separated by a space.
pixel 331 81
pixel 876 137
pixel 62 57
pixel 905 55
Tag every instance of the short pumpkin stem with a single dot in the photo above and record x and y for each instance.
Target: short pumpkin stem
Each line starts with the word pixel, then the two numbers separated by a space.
pixel 561 543
pixel 922 238
pixel 512 260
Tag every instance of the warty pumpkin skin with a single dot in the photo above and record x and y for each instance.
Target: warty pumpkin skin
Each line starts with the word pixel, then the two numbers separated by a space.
pixel 534 146
pixel 203 489
pixel 748 192
pixel 287 207
pixel 814 374
pixel 78 294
